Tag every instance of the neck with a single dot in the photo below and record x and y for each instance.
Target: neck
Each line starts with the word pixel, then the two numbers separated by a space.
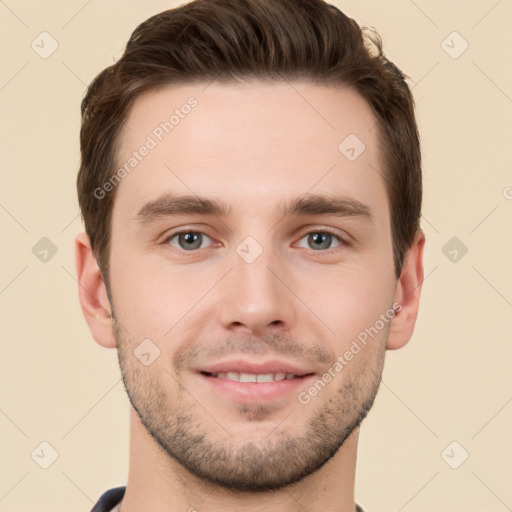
pixel 158 483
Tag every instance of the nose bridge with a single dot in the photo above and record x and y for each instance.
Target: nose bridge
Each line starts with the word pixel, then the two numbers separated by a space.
pixel 255 299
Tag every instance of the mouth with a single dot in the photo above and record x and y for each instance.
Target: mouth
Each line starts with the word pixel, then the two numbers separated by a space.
pixel 250 382
pixel 255 377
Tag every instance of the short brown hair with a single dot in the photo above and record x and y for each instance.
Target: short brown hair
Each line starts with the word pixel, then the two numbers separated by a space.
pixel 232 40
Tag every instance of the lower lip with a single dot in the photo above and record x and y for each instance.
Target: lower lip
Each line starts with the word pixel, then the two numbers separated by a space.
pixel 256 391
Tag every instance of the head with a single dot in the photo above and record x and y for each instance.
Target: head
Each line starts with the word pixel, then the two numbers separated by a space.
pixel 283 145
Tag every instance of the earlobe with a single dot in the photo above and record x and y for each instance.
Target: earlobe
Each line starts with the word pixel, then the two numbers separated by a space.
pixel 407 295
pixel 92 293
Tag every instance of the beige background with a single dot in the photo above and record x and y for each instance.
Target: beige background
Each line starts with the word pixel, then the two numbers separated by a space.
pixel 451 383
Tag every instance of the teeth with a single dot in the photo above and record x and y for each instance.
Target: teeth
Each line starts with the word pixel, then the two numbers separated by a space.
pixel 248 377
pixel 251 377
pixel 265 377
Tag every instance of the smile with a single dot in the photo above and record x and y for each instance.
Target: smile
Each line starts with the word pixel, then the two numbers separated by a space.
pixel 252 377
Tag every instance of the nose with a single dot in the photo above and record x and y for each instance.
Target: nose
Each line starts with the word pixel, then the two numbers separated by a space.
pixel 255 298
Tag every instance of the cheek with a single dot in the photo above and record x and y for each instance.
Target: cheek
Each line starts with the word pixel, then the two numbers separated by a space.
pixel 349 300
pixel 150 298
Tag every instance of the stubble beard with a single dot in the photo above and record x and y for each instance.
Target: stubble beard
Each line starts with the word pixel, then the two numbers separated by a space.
pixel 195 437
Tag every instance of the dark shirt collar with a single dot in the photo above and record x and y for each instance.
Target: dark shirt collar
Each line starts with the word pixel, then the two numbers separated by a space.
pixel 109 499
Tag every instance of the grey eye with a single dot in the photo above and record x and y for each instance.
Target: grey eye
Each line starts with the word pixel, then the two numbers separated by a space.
pixel 188 240
pixel 319 240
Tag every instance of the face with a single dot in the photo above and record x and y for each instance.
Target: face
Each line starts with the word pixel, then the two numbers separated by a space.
pixel 251 275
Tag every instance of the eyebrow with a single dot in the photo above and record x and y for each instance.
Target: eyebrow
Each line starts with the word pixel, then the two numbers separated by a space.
pixel 316 204
pixel 170 204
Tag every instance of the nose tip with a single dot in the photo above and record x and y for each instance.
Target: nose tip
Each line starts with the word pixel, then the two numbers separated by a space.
pixel 254 301
pixel 255 328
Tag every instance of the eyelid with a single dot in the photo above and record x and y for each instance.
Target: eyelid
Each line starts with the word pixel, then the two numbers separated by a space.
pixel 344 239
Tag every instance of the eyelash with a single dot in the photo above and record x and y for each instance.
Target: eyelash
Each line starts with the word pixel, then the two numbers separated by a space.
pixel 342 241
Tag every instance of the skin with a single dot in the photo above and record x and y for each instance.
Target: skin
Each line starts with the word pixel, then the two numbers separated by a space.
pixel 255 147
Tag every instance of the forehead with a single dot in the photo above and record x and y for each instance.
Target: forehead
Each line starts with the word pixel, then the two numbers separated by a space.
pixel 248 142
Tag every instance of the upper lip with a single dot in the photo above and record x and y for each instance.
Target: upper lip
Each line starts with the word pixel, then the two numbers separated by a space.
pixel 252 367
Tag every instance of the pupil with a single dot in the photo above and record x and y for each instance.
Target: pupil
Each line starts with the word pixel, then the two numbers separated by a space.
pixel 190 240
pixel 321 240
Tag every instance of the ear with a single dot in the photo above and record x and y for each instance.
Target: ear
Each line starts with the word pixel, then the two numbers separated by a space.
pixel 407 295
pixel 92 293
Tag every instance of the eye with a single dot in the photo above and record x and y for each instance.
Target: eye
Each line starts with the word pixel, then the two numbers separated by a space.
pixel 188 240
pixel 320 240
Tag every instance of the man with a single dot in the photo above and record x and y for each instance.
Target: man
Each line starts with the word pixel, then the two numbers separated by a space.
pixel 251 190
